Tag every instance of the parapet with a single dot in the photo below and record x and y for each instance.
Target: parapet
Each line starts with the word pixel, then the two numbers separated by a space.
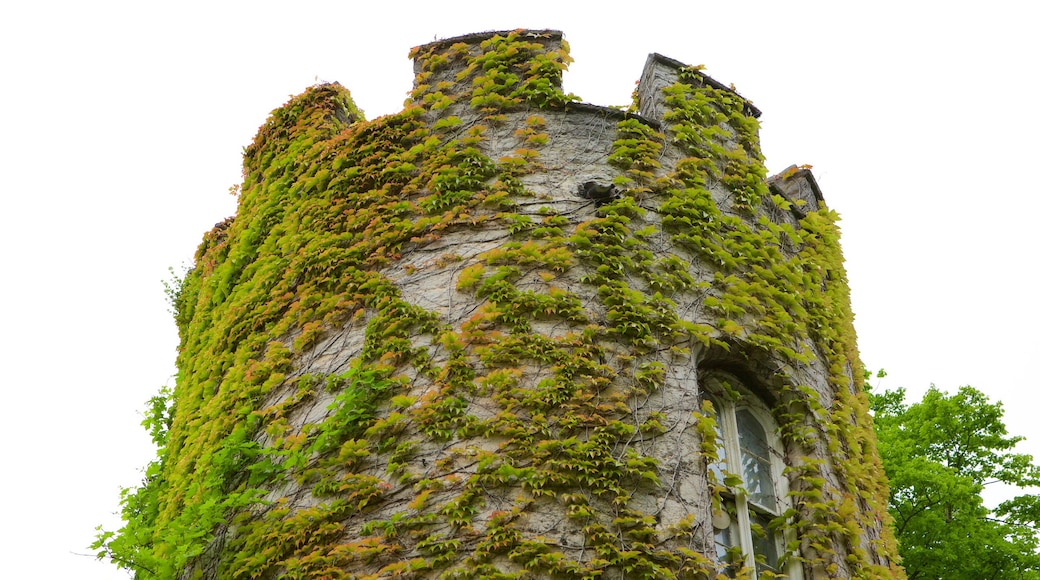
pixel 661 71
pixel 797 185
pixel 432 64
pixel 439 64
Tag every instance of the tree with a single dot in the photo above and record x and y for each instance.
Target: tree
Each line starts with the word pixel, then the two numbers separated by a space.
pixel 939 454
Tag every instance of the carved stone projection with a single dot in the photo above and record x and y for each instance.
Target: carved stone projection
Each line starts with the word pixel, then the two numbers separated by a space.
pixel 505 334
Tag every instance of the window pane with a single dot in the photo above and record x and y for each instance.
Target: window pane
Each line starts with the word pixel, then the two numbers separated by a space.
pixel 723 542
pixel 718 467
pixel 754 461
pixel 726 547
pixel 763 540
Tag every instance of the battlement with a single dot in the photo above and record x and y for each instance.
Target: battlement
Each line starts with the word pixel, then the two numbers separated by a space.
pixel 548 39
pixel 432 65
pixel 661 71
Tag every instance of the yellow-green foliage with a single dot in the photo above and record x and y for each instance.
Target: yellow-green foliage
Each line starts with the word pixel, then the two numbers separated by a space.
pixel 781 302
pixel 331 201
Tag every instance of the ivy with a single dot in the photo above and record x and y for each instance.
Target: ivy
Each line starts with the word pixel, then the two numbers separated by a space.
pixel 444 436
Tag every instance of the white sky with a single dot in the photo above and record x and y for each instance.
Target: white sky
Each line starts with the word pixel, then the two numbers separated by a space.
pixel 122 126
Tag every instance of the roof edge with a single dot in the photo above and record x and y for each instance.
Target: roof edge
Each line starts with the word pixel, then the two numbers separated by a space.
pixel 475 37
pixel 676 64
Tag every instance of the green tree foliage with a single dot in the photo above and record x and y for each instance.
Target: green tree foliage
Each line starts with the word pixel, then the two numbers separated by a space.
pixel 939 455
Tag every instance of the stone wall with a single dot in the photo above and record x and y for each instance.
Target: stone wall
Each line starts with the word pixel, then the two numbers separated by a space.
pixel 499 375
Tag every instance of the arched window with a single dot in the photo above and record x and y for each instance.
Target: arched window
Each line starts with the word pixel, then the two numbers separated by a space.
pixel 750 470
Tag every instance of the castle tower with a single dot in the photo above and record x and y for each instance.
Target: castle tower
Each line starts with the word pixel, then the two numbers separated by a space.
pixel 505 334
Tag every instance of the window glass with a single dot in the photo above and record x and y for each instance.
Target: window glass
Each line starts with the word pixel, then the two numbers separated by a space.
pixel 718 467
pixel 764 542
pixel 723 543
pixel 754 461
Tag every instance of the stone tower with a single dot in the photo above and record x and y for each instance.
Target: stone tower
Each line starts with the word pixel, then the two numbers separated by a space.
pixel 505 334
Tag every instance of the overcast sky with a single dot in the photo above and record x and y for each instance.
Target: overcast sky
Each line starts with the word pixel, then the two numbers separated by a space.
pixel 122 126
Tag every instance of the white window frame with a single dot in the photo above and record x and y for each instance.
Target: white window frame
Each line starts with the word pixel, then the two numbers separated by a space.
pixel 729 396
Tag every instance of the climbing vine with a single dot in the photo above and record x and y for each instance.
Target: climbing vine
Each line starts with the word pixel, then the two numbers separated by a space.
pixel 443 438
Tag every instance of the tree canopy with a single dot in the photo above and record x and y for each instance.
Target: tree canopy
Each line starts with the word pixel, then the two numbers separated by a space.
pixel 939 455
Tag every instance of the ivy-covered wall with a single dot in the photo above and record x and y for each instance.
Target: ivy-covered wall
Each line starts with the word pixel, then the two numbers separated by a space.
pixel 464 340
